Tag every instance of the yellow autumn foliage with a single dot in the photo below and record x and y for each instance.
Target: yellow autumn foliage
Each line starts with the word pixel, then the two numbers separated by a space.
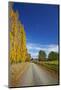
pixel 18 49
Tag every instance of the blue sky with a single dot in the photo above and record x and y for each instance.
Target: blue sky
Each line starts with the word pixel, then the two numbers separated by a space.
pixel 41 26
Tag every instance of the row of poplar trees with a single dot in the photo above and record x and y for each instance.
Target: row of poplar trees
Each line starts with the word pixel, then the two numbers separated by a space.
pixel 18 50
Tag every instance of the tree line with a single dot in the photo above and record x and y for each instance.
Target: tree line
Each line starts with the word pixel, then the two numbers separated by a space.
pixel 17 48
pixel 51 56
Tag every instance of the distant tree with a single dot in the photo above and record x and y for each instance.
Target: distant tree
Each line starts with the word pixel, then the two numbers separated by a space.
pixel 31 58
pixel 53 56
pixel 42 55
pixel 28 59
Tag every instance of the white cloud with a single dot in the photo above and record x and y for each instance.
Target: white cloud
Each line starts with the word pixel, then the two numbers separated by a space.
pixel 33 48
pixel 34 55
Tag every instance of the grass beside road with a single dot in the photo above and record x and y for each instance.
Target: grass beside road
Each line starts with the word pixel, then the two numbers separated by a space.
pixel 16 71
pixel 51 65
